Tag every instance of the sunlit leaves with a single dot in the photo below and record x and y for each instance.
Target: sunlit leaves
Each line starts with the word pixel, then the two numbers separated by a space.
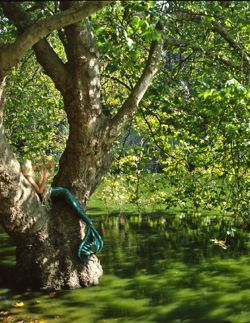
pixel 191 130
pixel 195 119
pixel 34 117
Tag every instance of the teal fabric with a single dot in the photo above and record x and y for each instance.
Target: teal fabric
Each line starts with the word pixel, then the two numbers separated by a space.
pixel 92 242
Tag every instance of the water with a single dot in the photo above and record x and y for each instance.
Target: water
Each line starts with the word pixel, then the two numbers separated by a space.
pixel 157 268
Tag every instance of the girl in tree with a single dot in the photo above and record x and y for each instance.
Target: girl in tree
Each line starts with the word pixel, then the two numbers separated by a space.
pixel 92 241
pixel 29 172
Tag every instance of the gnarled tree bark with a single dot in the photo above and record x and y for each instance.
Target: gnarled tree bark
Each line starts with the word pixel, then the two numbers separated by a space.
pixel 47 239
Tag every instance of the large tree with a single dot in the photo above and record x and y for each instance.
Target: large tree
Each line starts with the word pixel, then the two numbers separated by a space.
pixel 46 240
pixel 202 41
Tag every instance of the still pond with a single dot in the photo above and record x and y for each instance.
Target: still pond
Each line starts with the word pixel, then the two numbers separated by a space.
pixel 157 268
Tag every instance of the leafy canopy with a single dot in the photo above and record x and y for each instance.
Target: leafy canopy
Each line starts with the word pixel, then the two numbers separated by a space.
pixel 188 144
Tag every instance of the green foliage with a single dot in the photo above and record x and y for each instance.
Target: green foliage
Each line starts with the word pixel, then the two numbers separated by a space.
pixel 187 147
pixel 193 127
pixel 35 120
pixel 7 30
pixel 124 34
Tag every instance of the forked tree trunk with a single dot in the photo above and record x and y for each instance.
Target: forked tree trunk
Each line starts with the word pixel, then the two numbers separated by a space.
pixel 46 253
pixel 87 156
pixel 47 238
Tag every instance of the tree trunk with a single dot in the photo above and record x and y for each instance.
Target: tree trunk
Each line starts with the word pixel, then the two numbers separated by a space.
pixel 46 255
pixel 46 239
pixel 87 156
pixel 46 236
pixel 48 258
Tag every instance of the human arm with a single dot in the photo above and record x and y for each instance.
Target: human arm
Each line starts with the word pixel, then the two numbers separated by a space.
pixel 43 180
pixel 33 183
pixel 39 187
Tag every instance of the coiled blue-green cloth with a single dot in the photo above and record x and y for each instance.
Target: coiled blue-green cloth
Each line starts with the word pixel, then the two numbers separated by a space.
pixel 92 242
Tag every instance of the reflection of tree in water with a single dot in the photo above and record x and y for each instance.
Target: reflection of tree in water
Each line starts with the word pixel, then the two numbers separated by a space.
pixel 170 265
pixel 152 243
pixel 156 269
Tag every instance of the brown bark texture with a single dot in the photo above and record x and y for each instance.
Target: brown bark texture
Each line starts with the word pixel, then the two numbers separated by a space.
pixel 47 236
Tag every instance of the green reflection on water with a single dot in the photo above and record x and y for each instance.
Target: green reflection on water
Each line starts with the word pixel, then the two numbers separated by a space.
pixel 156 269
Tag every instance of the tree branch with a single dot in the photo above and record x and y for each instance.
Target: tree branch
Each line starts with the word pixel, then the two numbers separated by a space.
pixel 117 80
pixel 179 43
pixel 52 64
pixel 130 105
pixel 218 28
pixel 2 86
pixel 239 49
pixel 154 137
pixel 45 54
pixel 12 53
